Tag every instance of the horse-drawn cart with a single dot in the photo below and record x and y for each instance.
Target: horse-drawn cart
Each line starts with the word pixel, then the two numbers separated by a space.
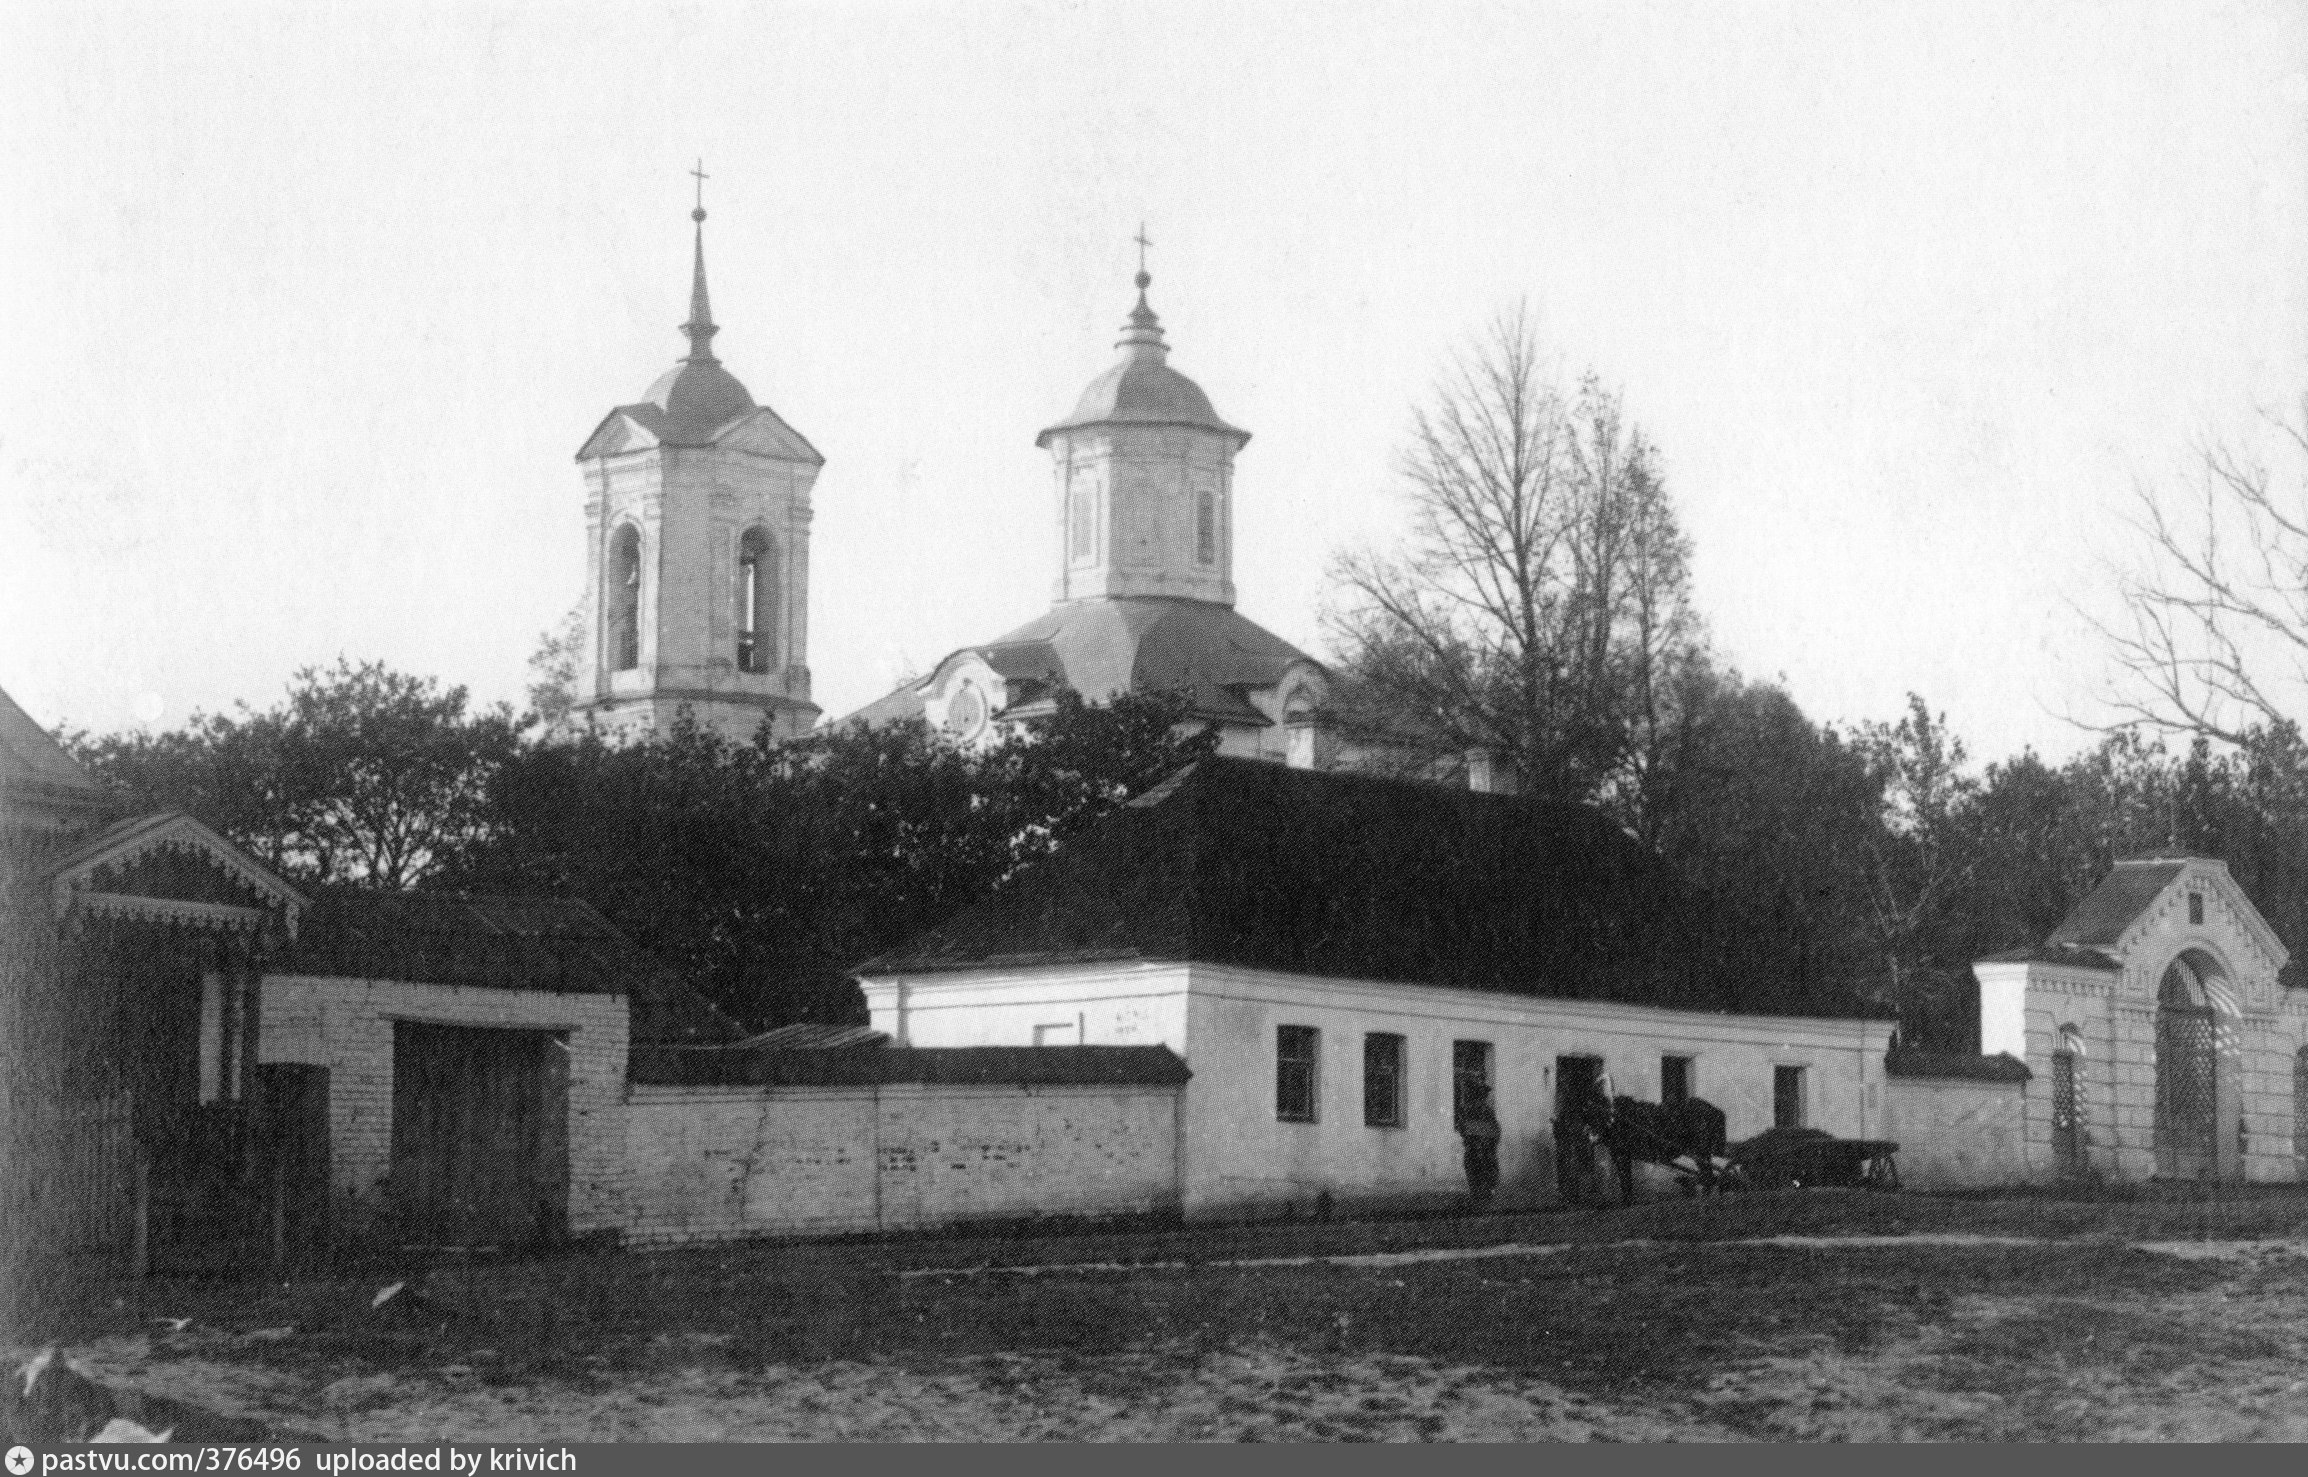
pixel 1790 1158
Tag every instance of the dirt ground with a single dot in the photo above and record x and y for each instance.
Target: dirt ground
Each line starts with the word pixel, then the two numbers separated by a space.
pixel 1812 1316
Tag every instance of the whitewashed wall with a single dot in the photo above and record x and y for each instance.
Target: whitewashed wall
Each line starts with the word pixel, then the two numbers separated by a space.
pixel 1958 1132
pixel 713 1163
pixel 1237 1156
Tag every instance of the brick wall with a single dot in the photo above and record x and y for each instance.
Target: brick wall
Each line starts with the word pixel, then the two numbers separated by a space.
pixel 347 1026
pixel 710 1163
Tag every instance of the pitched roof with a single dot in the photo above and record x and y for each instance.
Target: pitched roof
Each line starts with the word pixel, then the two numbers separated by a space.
pixel 1346 876
pixel 2127 892
pixel 560 945
pixel 1006 1066
pixel 1208 652
pixel 39 782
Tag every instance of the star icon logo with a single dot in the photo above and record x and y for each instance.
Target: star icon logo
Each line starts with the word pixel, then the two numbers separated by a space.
pixel 19 1460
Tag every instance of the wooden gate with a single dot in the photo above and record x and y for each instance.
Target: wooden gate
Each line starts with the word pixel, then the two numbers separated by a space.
pixel 480 1143
pixel 2187 1094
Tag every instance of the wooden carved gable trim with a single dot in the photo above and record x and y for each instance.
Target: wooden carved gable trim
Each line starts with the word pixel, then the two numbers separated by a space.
pixel 92 878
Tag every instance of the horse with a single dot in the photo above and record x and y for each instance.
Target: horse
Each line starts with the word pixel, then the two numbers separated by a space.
pixel 1687 1137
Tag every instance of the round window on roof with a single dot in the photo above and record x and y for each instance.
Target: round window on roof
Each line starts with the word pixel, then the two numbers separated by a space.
pixel 966 712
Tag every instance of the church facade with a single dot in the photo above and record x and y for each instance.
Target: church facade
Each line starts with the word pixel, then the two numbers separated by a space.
pixel 1144 594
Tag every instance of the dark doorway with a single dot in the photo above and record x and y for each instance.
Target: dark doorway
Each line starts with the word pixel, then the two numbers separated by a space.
pixel 1787 1097
pixel 1577 1080
pixel 480 1135
pixel 293 1122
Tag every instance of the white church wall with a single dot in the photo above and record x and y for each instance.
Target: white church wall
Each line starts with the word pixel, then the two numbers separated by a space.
pixel 717 1163
pixel 346 1025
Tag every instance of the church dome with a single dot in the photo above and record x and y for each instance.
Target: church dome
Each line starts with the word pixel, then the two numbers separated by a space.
pixel 1142 389
pixel 698 397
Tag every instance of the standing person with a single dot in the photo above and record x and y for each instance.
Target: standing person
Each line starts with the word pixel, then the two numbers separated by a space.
pixel 1479 1141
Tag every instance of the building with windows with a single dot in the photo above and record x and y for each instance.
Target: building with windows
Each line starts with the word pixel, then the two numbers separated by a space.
pixel 2161 1040
pixel 697 514
pixel 1144 596
pixel 1350 967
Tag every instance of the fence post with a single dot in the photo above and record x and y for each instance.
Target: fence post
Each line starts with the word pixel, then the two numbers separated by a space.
pixel 140 1251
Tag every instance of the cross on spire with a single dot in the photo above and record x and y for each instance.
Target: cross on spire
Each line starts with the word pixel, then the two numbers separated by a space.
pixel 701 177
pixel 1143 243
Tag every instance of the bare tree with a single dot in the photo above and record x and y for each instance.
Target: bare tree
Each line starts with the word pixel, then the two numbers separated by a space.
pixel 1539 607
pixel 2214 640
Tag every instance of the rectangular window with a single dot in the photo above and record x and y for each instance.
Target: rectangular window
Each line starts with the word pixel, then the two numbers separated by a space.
pixel 1206 526
pixel 1471 1090
pixel 1786 1097
pixel 2196 908
pixel 1382 1074
pixel 1082 515
pixel 1674 1080
pixel 1297 1050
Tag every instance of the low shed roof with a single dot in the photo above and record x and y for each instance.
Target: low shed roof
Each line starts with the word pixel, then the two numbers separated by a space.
pixel 557 944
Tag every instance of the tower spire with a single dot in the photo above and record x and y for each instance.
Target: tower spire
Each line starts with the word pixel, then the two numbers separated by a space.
pixel 1142 335
pixel 700 326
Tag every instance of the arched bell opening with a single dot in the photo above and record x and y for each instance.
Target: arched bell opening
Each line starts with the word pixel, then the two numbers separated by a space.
pixel 2199 1097
pixel 622 590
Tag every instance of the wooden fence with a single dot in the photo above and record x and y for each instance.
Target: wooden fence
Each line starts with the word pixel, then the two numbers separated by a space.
pixel 68 1181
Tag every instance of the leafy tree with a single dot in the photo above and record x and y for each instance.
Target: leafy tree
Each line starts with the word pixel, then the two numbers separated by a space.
pixel 362 774
pixel 553 669
pixel 765 871
pixel 1773 814
pixel 1540 607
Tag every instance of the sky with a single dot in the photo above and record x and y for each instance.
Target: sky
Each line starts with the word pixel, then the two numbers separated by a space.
pixel 308 307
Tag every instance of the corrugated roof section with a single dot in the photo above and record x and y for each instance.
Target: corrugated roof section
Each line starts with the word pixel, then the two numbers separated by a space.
pixel 808 1036
pixel 989 1066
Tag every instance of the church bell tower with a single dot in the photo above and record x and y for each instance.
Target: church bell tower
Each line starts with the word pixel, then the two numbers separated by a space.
pixel 697 512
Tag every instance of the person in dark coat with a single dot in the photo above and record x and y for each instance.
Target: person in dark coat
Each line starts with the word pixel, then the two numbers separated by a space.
pixel 1479 1142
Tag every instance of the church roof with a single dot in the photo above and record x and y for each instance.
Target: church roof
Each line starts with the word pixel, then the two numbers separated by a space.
pixel 1142 389
pixel 1210 653
pixel 1344 876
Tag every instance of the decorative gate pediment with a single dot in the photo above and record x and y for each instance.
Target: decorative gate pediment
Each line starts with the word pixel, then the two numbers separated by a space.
pixel 169 868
